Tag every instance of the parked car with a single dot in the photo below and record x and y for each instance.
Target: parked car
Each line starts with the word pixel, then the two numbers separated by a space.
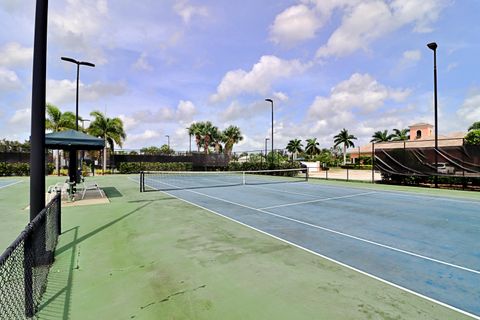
pixel 445 168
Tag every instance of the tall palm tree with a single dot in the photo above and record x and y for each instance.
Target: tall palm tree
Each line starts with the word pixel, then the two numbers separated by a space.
pixel 194 130
pixel 401 135
pixel 206 131
pixel 110 129
pixel 345 138
pixel 217 137
pixel 381 136
pixel 312 147
pixel 294 147
pixel 231 136
pixel 58 121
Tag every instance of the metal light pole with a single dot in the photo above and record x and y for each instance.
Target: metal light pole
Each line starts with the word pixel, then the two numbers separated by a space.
pixel 271 102
pixel 433 46
pixel 73 153
pixel 168 141
pixel 78 63
pixel 266 140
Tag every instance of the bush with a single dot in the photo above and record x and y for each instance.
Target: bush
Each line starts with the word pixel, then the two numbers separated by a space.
pixel 136 167
pixel 249 166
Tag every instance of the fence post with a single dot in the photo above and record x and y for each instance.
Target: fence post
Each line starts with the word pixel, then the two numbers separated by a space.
pixel 373 162
pixel 347 173
pixel 28 254
pixel 58 200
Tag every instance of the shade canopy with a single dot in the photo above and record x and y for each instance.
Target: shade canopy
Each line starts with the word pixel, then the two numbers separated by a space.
pixel 73 140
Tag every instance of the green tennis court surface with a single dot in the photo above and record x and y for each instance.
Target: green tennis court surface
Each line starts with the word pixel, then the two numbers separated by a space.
pixel 151 256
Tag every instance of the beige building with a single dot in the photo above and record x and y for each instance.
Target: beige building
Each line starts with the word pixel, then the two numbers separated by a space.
pixel 421 136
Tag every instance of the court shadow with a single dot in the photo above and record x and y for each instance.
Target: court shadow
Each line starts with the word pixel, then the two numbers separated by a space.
pixel 57 297
pixel 112 192
pixel 100 229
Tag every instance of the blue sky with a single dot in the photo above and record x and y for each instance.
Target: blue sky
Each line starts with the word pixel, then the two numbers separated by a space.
pixel 328 65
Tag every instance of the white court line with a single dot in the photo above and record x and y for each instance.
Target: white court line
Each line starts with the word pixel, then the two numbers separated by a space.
pixel 401 193
pixel 11 184
pixel 327 258
pixel 282 191
pixel 317 200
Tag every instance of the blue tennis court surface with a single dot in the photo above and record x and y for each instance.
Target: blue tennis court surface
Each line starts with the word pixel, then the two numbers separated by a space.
pixel 425 244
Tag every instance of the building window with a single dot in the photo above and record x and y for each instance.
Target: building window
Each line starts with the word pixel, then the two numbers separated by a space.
pixel 419 134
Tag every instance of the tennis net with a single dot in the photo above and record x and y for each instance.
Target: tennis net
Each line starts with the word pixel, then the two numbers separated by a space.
pixel 174 180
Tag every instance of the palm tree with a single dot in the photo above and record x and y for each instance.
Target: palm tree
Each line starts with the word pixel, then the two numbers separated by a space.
pixel 345 138
pixel 474 126
pixel 312 147
pixel 58 121
pixel 294 146
pixel 231 136
pixel 110 129
pixel 401 135
pixel 381 136
pixel 206 132
pixel 194 130
pixel 217 137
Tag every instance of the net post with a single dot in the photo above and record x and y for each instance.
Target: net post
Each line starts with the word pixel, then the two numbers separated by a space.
pixel 141 181
pixel 58 214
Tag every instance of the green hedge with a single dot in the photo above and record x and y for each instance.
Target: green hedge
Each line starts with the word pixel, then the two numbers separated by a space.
pixel 20 169
pixel 248 166
pixel 136 167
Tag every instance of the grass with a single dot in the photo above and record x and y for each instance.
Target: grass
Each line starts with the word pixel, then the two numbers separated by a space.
pixel 150 256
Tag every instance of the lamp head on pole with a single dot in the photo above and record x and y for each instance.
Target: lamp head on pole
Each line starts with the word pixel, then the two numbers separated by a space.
pixel 69 60
pixel 269 100
pixel 432 45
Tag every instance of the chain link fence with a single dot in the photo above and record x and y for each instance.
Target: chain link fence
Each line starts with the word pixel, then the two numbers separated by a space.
pixel 24 266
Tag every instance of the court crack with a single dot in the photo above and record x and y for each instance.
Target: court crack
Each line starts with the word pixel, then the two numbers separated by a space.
pixel 170 296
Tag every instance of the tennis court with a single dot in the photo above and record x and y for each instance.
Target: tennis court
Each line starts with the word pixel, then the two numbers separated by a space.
pixel 425 244
pixel 4 183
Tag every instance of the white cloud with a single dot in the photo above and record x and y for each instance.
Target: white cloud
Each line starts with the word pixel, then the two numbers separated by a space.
pixel 8 80
pixel 469 111
pixel 13 54
pixel 188 11
pixel 185 112
pixel 20 117
pixel 128 122
pixel 412 55
pixel 147 137
pixel 142 64
pixel 182 114
pixel 365 22
pixel 360 91
pixel 280 96
pixel 64 91
pixel 295 24
pixel 78 27
pixel 259 79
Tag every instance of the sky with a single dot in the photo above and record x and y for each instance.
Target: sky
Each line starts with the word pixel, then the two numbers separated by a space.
pixel 362 65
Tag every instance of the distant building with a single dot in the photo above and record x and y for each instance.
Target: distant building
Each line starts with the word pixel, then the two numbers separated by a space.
pixel 421 136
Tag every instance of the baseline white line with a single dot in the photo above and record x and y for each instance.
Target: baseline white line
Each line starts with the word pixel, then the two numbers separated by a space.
pixel 11 184
pixel 317 200
pixel 331 259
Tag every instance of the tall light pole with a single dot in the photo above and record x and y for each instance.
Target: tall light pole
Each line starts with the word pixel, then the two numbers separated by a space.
pixel 266 140
pixel 78 63
pixel 271 102
pixel 168 141
pixel 433 46
pixel 73 153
